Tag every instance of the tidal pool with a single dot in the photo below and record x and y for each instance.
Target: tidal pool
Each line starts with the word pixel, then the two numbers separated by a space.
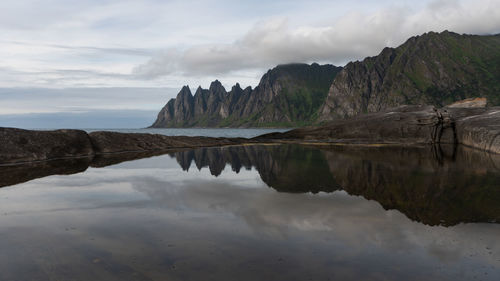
pixel 278 212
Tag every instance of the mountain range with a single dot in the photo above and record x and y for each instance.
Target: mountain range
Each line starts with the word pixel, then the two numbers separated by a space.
pixel 434 68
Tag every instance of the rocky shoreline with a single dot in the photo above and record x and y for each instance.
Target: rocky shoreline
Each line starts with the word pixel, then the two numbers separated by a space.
pixel 407 125
pixel 24 146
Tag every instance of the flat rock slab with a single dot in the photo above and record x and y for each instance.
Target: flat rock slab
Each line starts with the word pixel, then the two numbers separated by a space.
pixel 113 142
pixel 407 124
pixel 17 145
pixel 20 146
pixel 474 127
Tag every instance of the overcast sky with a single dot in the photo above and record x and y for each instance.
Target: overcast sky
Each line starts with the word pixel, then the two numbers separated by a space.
pixel 51 49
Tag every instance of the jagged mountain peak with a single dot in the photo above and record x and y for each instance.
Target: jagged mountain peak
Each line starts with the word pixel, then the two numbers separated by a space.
pixel 286 94
pixel 217 87
pixel 185 91
pixel 236 88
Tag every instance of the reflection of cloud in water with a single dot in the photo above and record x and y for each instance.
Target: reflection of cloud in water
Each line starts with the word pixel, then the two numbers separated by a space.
pixel 350 219
pixel 243 212
pixel 353 220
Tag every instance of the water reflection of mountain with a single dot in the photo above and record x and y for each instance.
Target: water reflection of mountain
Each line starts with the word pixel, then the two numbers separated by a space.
pixel 436 186
pixel 287 168
pixel 429 185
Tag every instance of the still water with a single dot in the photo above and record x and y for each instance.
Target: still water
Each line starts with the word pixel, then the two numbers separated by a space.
pixel 201 132
pixel 276 212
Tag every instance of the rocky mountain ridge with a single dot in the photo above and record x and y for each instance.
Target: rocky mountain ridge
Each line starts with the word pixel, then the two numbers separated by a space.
pixel 432 69
pixel 287 95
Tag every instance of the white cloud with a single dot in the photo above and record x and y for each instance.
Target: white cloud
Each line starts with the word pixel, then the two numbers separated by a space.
pixel 353 36
pixel 36 100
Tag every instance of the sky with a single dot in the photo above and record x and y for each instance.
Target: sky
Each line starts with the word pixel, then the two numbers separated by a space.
pixel 80 63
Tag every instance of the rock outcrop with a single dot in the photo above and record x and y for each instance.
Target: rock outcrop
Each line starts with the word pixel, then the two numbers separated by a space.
pixel 474 127
pixel 21 146
pixel 287 95
pixel 477 127
pixel 407 125
pixel 17 145
pixel 113 142
pixel 435 69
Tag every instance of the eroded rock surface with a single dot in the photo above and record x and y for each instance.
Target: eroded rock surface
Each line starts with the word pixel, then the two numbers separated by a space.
pixel 17 145
pixel 474 127
pixel 478 127
pixel 112 142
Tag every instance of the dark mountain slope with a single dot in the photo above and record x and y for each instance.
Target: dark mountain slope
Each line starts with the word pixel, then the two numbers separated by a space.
pixel 435 69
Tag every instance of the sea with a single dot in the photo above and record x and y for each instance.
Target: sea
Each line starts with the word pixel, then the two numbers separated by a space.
pixel 205 132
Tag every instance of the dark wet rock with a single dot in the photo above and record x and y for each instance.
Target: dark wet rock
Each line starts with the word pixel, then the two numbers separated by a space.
pixel 478 127
pixel 17 145
pixel 406 124
pixel 474 127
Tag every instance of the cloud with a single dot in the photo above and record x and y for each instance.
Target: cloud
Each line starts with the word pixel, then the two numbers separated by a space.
pixel 107 51
pixel 35 100
pixel 351 37
pixel 81 118
pixel 164 63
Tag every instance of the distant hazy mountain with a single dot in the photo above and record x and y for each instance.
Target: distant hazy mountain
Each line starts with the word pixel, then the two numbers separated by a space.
pixel 434 68
pixel 287 95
